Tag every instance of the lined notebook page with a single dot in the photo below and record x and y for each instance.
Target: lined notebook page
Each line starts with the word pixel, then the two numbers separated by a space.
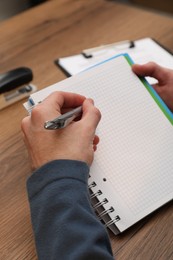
pixel 135 153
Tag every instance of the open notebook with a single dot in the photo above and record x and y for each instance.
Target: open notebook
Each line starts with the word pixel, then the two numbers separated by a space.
pixel 131 175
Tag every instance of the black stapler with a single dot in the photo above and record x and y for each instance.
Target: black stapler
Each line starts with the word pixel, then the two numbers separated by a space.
pixel 15 85
pixel 15 78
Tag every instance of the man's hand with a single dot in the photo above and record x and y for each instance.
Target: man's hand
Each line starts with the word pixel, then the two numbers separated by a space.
pixel 77 141
pixel 165 80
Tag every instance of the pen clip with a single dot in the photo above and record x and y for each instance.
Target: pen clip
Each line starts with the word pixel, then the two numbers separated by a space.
pixel 88 53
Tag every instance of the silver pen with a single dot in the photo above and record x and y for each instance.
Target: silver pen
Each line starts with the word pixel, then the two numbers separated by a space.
pixel 63 120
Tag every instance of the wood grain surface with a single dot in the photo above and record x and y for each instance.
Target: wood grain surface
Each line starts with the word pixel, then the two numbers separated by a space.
pixel 35 39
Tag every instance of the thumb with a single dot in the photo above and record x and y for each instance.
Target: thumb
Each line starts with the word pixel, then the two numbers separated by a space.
pixel 152 69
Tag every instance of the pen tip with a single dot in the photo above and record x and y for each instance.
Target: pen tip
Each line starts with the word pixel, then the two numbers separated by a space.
pixel 48 125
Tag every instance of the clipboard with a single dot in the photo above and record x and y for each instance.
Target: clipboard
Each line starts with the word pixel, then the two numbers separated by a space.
pixel 142 51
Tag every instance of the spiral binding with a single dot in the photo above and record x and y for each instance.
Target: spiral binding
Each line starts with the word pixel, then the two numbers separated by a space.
pixel 99 205
pixel 113 221
pixel 93 184
pixel 105 212
pixel 99 192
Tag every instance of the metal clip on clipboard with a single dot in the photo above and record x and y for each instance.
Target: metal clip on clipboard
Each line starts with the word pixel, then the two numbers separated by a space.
pixel 74 64
pixel 89 53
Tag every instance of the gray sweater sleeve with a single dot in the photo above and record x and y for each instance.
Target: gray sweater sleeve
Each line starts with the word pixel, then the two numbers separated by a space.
pixel 64 223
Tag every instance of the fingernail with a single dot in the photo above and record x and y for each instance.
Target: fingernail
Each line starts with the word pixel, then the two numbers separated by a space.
pixel 91 100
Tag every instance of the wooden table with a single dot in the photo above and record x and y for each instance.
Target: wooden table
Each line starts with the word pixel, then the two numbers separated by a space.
pixel 35 39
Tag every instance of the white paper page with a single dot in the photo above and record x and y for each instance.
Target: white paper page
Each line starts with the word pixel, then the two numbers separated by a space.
pixel 136 139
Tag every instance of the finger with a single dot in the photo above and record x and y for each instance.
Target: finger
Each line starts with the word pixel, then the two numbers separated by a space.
pixel 96 140
pixel 60 99
pixel 91 115
pixel 153 70
pixel 95 148
pixel 51 106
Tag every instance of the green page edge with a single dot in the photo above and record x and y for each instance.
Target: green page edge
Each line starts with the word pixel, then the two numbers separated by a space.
pixel 154 94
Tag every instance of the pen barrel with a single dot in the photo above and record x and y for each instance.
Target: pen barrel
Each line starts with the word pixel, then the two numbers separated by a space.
pixel 73 113
pixel 63 120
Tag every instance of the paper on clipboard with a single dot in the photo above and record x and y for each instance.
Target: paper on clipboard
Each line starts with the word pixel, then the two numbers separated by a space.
pixel 142 51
